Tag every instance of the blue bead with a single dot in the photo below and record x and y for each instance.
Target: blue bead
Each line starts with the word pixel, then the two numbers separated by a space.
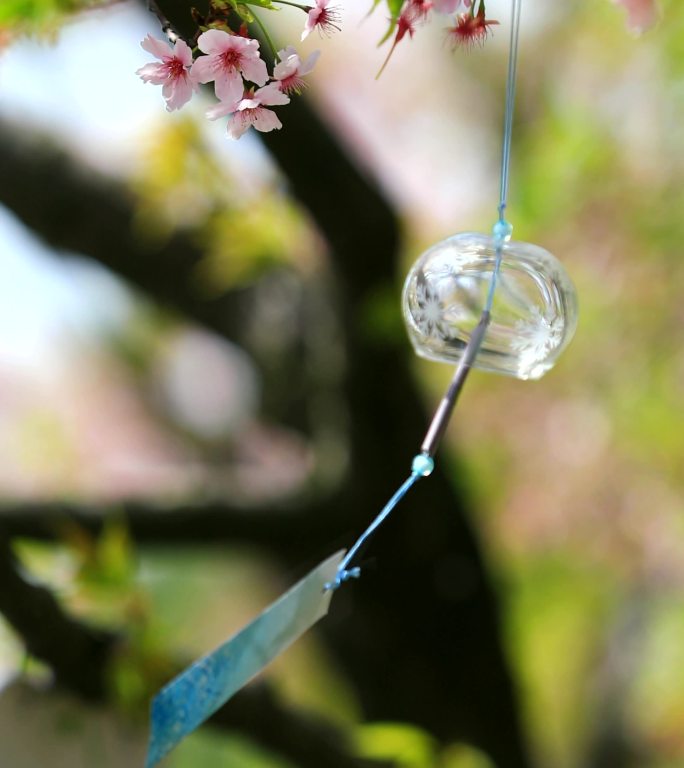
pixel 502 230
pixel 422 465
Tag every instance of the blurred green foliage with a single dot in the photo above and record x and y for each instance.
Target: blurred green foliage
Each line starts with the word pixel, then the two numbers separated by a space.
pixel 205 748
pixel 410 747
pixel 41 16
pixel 245 226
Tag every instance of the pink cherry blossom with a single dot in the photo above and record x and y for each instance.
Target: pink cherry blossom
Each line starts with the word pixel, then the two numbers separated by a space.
pixel 173 73
pixel 470 29
pixel 323 17
pixel 290 69
pixel 228 56
pixel 641 14
pixel 406 22
pixel 251 111
pixel 421 9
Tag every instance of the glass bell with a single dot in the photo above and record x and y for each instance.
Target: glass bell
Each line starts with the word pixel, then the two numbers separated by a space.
pixel 533 317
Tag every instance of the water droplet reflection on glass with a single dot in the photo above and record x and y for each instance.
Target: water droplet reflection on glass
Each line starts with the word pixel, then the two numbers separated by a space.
pixel 534 314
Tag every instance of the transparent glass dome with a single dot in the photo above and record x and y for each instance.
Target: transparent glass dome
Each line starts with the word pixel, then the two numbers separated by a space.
pixel 534 314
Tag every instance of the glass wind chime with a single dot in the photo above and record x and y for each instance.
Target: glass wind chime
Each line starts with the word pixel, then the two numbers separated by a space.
pixel 474 301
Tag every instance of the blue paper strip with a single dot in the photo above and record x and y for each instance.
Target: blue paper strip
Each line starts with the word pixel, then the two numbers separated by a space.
pixel 192 697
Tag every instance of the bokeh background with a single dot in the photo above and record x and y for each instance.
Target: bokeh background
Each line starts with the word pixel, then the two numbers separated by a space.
pixel 205 388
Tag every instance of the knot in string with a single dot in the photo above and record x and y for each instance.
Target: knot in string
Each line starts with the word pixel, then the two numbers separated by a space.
pixel 421 466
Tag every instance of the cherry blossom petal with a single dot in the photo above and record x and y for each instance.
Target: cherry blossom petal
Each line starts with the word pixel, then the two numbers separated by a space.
pixel 262 119
pixel 204 69
pixel 157 48
pixel 254 69
pixel 272 95
pixel 266 120
pixel 248 104
pixel 177 93
pixel 239 124
pixel 214 41
pixel 310 63
pixel 183 53
pixel 290 64
pixel 286 67
pixel 287 52
pixel 153 73
pixel 221 109
pixel 229 86
pixel 311 21
pixel 248 46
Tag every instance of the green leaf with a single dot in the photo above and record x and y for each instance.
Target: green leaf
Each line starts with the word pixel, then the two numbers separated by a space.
pixel 262 4
pixel 406 745
pixel 389 33
pixel 394 7
pixel 244 13
pixel 376 3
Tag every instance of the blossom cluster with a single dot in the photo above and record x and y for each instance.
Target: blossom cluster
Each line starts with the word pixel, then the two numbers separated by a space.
pixel 232 61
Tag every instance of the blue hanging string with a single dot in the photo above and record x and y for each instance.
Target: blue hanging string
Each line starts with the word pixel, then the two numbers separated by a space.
pixel 423 463
pixel 510 102
pixel 422 466
pixel 502 230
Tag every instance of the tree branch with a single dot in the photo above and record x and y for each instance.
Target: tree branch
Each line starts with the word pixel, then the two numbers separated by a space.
pixel 91 215
pixel 88 214
pixel 269 526
pixel 166 26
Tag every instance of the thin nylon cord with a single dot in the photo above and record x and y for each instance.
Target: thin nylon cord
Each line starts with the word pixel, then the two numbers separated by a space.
pixel 342 573
pixel 510 103
pixel 511 80
pixel 423 463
